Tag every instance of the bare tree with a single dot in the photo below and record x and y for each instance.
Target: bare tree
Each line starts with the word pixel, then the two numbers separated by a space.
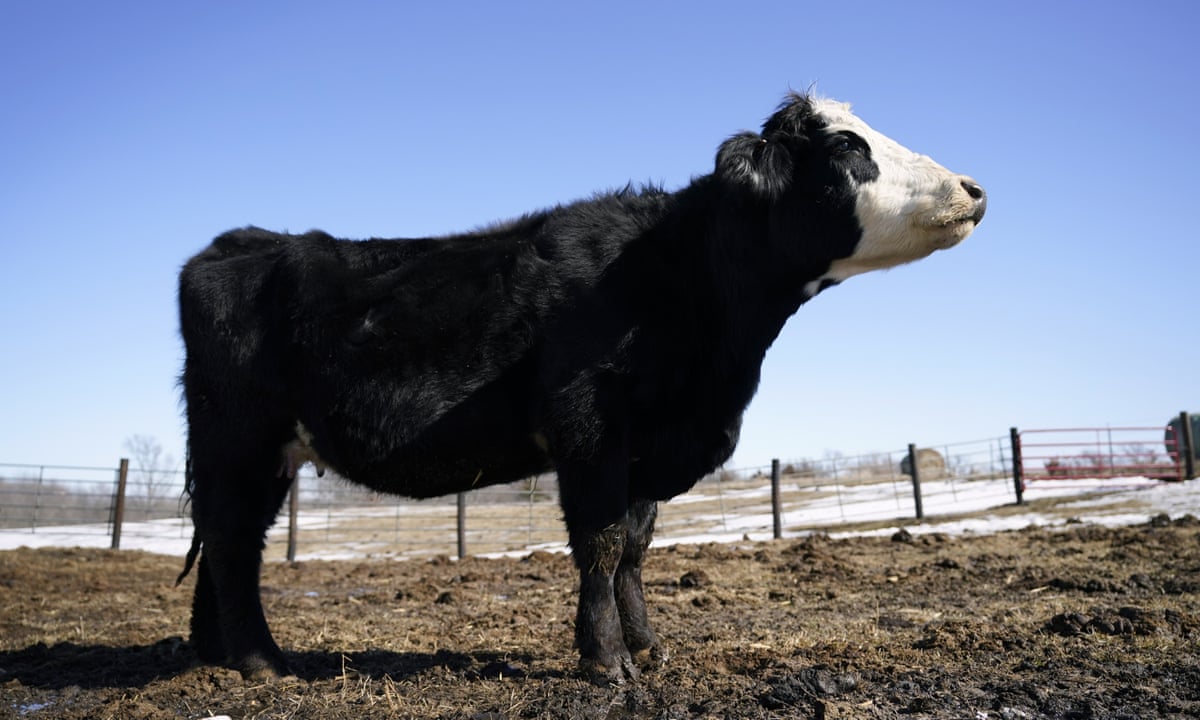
pixel 153 466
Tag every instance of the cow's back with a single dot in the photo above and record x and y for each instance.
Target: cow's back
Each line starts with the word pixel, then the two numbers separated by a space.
pixel 407 360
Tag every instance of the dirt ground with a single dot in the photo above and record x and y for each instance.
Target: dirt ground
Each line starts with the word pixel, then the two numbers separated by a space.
pixel 1083 622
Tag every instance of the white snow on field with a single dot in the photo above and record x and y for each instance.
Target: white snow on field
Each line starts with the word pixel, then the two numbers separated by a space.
pixel 1105 502
pixel 880 502
pixel 171 536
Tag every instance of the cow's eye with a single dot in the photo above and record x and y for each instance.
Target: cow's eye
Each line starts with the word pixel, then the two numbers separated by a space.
pixel 843 146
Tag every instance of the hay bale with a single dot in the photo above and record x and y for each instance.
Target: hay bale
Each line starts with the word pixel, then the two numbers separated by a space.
pixel 930 464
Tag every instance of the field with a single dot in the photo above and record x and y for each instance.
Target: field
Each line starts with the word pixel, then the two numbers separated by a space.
pixel 1081 622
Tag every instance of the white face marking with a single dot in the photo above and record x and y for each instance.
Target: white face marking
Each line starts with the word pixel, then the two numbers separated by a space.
pixel 913 208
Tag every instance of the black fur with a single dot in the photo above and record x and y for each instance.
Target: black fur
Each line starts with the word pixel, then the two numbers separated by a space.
pixel 617 340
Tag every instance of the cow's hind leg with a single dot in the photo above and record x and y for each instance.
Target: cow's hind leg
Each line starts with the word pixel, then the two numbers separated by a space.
pixel 232 512
pixel 640 639
pixel 206 635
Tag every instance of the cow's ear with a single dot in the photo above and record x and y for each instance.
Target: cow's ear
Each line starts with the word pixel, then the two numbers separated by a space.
pixel 751 161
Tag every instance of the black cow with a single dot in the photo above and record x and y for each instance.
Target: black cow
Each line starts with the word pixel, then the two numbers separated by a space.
pixel 616 340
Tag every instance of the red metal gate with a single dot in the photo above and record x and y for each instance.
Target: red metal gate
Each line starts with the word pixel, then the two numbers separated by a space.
pixel 1108 452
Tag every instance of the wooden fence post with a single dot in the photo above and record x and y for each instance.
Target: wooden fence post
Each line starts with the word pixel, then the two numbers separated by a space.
pixel 462 525
pixel 1018 468
pixel 776 509
pixel 916 480
pixel 293 525
pixel 119 504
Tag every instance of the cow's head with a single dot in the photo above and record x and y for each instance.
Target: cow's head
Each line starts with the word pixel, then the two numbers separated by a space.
pixel 857 199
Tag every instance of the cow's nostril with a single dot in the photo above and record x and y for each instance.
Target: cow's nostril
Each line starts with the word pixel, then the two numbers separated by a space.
pixel 974 189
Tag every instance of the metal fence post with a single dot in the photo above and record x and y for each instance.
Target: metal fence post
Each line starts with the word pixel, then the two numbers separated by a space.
pixel 1186 445
pixel 462 525
pixel 1017 467
pixel 293 512
pixel 119 503
pixel 916 480
pixel 37 495
pixel 776 510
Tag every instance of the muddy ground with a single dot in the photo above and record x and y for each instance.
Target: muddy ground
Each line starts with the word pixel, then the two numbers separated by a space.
pixel 1083 622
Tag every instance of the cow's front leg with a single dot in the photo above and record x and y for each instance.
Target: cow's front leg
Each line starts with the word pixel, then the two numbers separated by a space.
pixel 595 501
pixel 603 656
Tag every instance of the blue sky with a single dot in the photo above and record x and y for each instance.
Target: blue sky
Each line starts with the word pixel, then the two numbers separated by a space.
pixel 131 133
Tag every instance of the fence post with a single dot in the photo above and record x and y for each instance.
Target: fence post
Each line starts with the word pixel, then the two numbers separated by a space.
pixel 293 512
pixel 1018 469
pixel 37 495
pixel 462 525
pixel 776 510
pixel 1186 444
pixel 119 505
pixel 916 479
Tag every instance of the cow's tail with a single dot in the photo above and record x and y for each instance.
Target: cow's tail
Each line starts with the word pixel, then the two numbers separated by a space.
pixel 190 560
pixel 188 487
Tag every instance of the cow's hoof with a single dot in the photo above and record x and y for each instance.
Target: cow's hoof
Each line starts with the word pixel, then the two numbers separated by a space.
pixel 617 671
pixel 208 651
pixel 205 638
pixel 651 658
pixel 260 668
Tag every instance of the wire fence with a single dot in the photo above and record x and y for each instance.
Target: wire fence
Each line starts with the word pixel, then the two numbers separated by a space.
pixel 77 505
pixel 331 518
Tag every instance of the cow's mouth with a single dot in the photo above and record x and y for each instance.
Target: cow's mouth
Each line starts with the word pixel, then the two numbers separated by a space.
pixel 957 217
pixel 946 232
pixel 962 213
pixel 953 225
pixel 962 224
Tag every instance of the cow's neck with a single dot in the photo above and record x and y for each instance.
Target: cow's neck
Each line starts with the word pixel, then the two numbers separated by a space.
pixel 757 290
pixel 749 291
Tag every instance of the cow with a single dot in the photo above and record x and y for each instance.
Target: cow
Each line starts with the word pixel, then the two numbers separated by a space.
pixel 615 340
